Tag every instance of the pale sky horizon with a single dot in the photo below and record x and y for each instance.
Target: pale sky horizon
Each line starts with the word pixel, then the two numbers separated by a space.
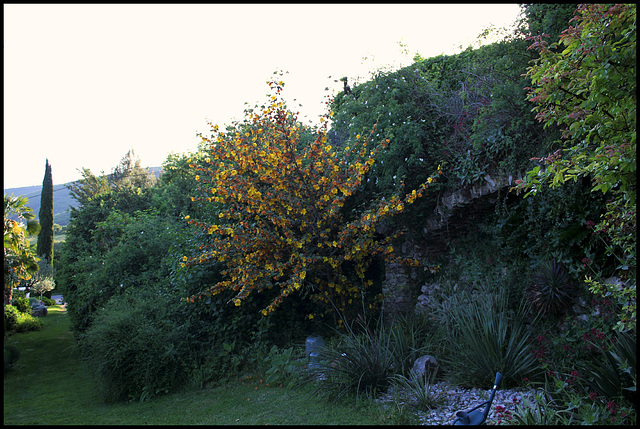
pixel 83 84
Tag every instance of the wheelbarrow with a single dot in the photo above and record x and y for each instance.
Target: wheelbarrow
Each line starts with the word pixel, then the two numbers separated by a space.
pixel 475 416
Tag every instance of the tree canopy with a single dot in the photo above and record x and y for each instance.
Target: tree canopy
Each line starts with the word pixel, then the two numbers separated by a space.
pixel 586 83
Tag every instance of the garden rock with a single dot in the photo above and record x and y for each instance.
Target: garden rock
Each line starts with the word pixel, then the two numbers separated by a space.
pixel 425 365
pixel 39 310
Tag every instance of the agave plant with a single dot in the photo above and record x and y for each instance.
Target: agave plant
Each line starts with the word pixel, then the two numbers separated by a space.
pixel 551 291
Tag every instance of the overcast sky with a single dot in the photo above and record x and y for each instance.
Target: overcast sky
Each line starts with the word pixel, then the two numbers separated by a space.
pixel 83 84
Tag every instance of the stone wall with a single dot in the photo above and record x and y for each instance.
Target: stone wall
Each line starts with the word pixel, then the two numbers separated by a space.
pixel 398 288
pixel 462 208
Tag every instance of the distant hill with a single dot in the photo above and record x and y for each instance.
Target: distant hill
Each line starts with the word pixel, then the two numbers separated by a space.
pixel 62 200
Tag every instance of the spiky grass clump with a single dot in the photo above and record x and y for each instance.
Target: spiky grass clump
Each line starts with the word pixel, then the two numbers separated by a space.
pixel 486 336
pixel 551 292
pixel 416 389
pixel 360 362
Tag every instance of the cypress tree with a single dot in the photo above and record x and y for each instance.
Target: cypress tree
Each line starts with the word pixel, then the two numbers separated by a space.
pixel 45 216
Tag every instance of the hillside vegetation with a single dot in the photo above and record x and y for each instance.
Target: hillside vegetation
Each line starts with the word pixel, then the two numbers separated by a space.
pixel 63 201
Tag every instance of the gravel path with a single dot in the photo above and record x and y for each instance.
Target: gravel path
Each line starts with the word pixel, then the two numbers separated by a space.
pixel 456 398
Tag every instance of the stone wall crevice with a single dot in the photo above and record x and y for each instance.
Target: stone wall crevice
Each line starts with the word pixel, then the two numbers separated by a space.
pixel 456 212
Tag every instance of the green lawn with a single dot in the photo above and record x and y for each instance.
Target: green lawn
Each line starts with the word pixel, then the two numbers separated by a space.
pixel 48 385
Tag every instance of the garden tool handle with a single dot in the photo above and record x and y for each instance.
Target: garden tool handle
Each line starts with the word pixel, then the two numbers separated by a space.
pixel 498 380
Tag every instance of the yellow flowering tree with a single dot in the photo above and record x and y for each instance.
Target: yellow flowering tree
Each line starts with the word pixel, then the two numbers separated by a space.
pixel 283 225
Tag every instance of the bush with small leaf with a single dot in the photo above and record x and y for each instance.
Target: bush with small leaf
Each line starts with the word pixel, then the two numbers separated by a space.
pixel 48 301
pixel 22 304
pixel 614 376
pixel 561 403
pixel 10 318
pixel 414 335
pixel 285 366
pixel 27 322
pixel 134 350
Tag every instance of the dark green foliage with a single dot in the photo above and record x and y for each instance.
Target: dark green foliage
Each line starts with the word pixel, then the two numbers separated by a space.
pixel 615 375
pixel 557 223
pixel 552 292
pixel 416 389
pixel 10 355
pixel 177 185
pixel 466 112
pixel 86 188
pixel 285 366
pixel 365 358
pixel 134 350
pixel 222 339
pixel 10 318
pixel 414 335
pixel 129 175
pixel 22 304
pixel 125 252
pixel 48 301
pixel 86 245
pixel 45 216
pixel 548 18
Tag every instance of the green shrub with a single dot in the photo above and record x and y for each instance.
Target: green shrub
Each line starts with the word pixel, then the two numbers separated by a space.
pixel 22 304
pixel 17 293
pixel 544 411
pixel 285 366
pixel 560 403
pixel 134 350
pixel 364 361
pixel 10 318
pixel 48 301
pixel 571 348
pixel 27 322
